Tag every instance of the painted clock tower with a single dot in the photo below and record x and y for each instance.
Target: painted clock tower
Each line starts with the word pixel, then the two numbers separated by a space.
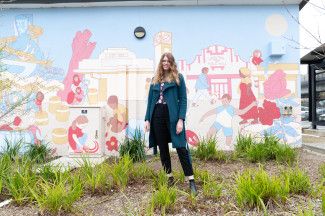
pixel 162 43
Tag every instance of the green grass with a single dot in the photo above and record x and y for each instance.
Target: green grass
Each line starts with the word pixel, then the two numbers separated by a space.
pixel 202 176
pixel 255 188
pixel 40 153
pixel 19 179
pixel 141 172
pixel 299 181
pixel 160 179
pixel 60 196
pixel 206 149
pixel 164 199
pixel 95 178
pixel 269 148
pixel 120 172
pixel 12 150
pixel 134 147
pixel 212 189
pixel 243 144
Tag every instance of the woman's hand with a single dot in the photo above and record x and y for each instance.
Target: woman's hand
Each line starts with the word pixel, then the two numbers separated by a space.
pixel 179 126
pixel 146 126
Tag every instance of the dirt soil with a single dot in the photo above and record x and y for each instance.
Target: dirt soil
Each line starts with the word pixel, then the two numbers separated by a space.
pixel 136 197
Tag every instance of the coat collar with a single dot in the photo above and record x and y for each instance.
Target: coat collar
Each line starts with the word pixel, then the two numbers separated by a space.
pixel 166 86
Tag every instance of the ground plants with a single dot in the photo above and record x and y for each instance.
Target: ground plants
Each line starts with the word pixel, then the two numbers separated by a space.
pixel 164 198
pixel 59 196
pixel 206 150
pixel 298 180
pixel 265 149
pixel 212 189
pixel 120 171
pixel 255 188
pixel 40 153
pixel 19 179
pixel 134 146
pixel 95 178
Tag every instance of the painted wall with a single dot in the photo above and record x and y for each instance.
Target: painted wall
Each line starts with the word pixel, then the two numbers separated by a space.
pixel 60 58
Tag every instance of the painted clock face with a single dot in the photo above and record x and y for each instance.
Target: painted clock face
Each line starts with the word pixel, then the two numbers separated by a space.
pixel 163 37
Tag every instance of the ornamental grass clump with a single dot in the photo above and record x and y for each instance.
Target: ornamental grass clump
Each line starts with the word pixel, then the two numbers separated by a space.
pixel 298 180
pixel 18 181
pixel 95 178
pixel 141 172
pixel 243 143
pixel 206 149
pixel 266 149
pixel 40 153
pixel 12 149
pixel 160 179
pixel 58 197
pixel 212 189
pixel 134 146
pixel 164 199
pixel 120 171
pixel 255 188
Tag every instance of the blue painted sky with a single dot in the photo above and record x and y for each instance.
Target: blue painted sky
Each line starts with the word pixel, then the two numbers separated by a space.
pixel 193 28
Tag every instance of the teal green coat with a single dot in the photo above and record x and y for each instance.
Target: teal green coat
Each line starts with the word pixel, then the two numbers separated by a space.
pixel 176 99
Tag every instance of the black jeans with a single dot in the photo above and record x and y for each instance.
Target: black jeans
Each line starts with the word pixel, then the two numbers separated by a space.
pixel 161 130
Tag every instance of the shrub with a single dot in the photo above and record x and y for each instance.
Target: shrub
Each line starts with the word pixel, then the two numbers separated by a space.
pixel 206 149
pixel 298 180
pixel 134 147
pixel 256 188
pixel 40 153
pixel 164 198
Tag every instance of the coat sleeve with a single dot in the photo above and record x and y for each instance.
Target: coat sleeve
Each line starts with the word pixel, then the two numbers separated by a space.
pixel 182 98
pixel 147 117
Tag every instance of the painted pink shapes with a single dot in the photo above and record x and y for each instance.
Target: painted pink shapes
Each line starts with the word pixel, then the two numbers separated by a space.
pixel 268 113
pixel 81 49
pixel 276 86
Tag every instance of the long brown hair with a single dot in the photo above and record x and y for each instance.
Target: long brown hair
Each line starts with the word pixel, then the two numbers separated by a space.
pixel 171 76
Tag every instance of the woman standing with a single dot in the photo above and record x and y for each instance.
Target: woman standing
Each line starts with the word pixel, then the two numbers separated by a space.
pixel 165 116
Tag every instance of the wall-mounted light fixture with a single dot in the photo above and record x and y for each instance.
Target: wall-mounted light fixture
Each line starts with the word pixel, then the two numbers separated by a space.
pixel 139 32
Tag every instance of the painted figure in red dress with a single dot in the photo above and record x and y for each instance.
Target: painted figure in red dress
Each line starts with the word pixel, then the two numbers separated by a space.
pixel 247 97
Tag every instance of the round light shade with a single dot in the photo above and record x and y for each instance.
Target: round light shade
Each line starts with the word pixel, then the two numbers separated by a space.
pixel 139 32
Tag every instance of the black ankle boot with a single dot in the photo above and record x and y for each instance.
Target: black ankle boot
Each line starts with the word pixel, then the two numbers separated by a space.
pixel 193 187
pixel 171 181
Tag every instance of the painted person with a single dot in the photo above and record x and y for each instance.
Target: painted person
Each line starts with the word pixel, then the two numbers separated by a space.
pixel 165 116
pixel 118 122
pixel 247 97
pixel 202 86
pixel 76 136
pixel 224 116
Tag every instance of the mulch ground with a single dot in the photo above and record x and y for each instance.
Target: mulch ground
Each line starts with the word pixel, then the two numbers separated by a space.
pixel 136 197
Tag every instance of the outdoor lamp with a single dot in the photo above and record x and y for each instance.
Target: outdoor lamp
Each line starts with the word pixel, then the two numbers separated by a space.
pixel 139 32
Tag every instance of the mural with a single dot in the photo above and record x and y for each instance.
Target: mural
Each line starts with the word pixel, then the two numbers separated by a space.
pixel 231 90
